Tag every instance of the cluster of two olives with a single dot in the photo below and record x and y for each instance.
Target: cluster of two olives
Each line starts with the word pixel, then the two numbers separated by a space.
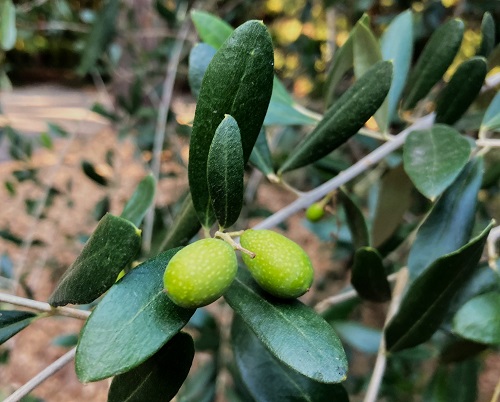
pixel 202 271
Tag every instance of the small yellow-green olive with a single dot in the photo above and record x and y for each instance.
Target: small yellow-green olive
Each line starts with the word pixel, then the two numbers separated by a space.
pixel 200 273
pixel 315 212
pixel 280 266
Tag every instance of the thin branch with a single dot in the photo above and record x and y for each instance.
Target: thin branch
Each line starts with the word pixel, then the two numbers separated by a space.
pixel 161 122
pixel 491 247
pixel 46 307
pixel 325 304
pixel 488 142
pixel 347 175
pixel 42 376
pixel 381 362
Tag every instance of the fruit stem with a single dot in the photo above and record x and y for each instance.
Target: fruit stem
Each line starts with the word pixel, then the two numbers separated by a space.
pixel 227 238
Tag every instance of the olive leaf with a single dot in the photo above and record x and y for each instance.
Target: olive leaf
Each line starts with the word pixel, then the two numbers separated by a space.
pixel 291 331
pixel 13 321
pixel 136 207
pixel 113 245
pixel 429 297
pixel 434 60
pixel 369 276
pixel 113 339
pixel 488 35
pixel 344 118
pixel 238 82
pixel 225 171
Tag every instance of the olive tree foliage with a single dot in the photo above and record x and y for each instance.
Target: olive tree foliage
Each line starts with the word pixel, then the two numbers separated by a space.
pixel 410 213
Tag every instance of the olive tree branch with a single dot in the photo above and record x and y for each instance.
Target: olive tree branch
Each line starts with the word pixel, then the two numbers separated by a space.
pixel 41 376
pixel 161 122
pixel 381 362
pixel 347 175
pixel 45 307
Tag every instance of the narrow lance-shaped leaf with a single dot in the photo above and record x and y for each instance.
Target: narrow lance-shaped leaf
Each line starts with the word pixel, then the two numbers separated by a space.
pixel 199 59
pixel 90 171
pixel 434 60
pixel 355 220
pixel 344 118
pixel 13 321
pixel 491 119
pixel 479 319
pixel 261 155
pixel 210 28
pixel 292 332
pixel 397 45
pixel 160 377
pixel 185 226
pixel 8 31
pixel 394 198
pixel 428 299
pixel 130 324
pixel 114 243
pixel 366 53
pixel 225 170
pixel 358 336
pixel 238 82
pixel 369 276
pixel 488 35
pixel 425 161
pixel 266 379
pixel 461 91
pixel 136 207
pixel 341 63
pixel 101 34
pixel 450 221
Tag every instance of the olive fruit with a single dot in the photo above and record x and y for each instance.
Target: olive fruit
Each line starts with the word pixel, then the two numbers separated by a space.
pixel 281 267
pixel 200 273
pixel 315 212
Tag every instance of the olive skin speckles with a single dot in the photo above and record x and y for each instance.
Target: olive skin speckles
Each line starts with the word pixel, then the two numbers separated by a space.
pixel 281 267
pixel 200 273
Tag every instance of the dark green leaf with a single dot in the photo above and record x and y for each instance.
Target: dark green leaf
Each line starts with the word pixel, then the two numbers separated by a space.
pixel 394 198
pixel 57 131
pixel 101 110
pixel 101 208
pixel 433 158
pixel 89 170
pixel 366 53
pixel 46 141
pixel 449 224
pixel 266 379
pixel 131 323
pixel 488 35
pixel 461 91
pixel 479 319
pixel 292 332
pixel 13 321
pixel 225 171
pixel 397 45
pixel 8 31
pixel 491 119
pixel 199 59
pixel 65 341
pixel 428 299
pixel 137 206
pixel 358 336
pixel 261 155
pixel 185 226
pixel 344 118
pixel 238 80
pixel 200 387
pixel 457 383
pixel 100 36
pixel 355 221
pixel 434 60
pixel 460 349
pixel 369 276
pixel 114 243
pixel 160 377
pixel 211 28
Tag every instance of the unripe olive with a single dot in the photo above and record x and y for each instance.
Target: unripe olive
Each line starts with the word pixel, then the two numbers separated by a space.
pixel 280 266
pixel 315 212
pixel 200 273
